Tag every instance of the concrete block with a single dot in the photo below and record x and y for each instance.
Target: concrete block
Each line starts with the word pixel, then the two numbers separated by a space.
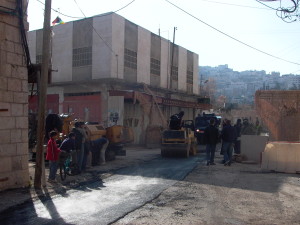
pixel 22 148
pixel 16 163
pixel 25 109
pixel 5 164
pixel 21 73
pixel 7 46
pixel 7 123
pixel 6 96
pixel 20 97
pixel 5 69
pixel 24 160
pixel 5 136
pixel 18 48
pixel 252 146
pixel 5 105
pixel 282 157
pixel 8 4
pixel 17 109
pixel 24 86
pixel 5 179
pixel 8 150
pixel 21 178
pixel 14 59
pixel 14 84
pixel 22 122
pixel 15 135
pixel 12 33
pixel 24 136
pixel 3 83
pixel 3 59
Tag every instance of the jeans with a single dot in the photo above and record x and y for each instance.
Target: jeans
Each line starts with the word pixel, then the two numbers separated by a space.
pixel 227 150
pixel 52 169
pixel 210 152
pixel 80 153
pixel 237 147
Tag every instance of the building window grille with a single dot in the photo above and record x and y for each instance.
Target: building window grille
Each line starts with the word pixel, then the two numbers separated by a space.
pixel 82 56
pixel 174 73
pixel 155 67
pixel 39 59
pixel 189 77
pixel 130 59
pixel 189 88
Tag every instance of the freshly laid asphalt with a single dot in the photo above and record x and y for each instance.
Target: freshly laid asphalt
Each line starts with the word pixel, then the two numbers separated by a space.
pixel 104 200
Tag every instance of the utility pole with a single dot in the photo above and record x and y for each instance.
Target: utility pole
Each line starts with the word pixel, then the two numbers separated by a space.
pixel 172 58
pixel 42 97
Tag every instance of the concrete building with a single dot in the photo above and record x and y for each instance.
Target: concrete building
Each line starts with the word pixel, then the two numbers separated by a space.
pixel 112 71
pixel 13 98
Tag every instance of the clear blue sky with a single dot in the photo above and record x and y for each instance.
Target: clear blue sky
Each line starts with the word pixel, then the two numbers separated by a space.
pixel 244 20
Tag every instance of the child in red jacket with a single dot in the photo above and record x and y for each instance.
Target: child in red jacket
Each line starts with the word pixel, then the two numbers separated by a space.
pixel 52 155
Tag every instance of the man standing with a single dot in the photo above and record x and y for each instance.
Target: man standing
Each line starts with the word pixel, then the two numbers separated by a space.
pixel 80 137
pixel 176 121
pixel 237 143
pixel 211 135
pixel 228 138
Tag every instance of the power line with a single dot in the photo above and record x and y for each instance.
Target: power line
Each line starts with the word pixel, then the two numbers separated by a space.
pixel 109 47
pixel 74 17
pixel 231 36
pixel 244 6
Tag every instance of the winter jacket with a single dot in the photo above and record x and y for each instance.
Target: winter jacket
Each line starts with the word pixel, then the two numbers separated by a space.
pixel 211 135
pixel 228 134
pixel 52 150
pixel 67 145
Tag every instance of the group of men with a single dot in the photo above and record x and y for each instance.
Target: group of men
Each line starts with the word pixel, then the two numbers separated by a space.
pixel 230 137
pixel 79 145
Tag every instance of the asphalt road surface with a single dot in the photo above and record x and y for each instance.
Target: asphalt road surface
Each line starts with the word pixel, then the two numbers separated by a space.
pixel 104 202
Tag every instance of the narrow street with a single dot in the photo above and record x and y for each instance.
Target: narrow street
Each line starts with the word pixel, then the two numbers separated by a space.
pixel 212 195
pixel 106 201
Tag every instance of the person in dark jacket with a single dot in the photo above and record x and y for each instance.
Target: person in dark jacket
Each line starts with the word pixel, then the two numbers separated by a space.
pixel 237 143
pixel 176 121
pixel 228 138
pixel 211 135
pixel 69 143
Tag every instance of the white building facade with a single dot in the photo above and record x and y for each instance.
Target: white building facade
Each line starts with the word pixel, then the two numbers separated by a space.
pixel 105 64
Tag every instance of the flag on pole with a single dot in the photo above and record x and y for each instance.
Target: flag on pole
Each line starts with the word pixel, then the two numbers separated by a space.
pixel 57 20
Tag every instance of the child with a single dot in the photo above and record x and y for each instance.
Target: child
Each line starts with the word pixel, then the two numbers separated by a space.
pixel 52 155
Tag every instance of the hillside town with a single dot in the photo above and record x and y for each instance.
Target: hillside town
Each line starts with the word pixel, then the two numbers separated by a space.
pixel 240 87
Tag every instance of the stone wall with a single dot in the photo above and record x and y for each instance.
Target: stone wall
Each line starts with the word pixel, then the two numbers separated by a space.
pixel 13 102
pixel 280 112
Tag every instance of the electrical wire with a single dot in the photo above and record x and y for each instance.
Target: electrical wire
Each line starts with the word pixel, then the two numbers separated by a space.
pixel 287 14
pixel 124 6
pixel 23 32
pixel 231 36
pixel 109 47
pixel 244 6
pixel 74 17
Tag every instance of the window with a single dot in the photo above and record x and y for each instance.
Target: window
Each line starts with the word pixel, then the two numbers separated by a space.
pixel 130 59
pixel 189 77
pixel 174 73
pixel 155 66
pixel 82 56
pixel 39 59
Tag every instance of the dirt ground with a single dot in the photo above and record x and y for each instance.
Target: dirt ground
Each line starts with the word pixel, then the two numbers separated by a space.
pixel 240 194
